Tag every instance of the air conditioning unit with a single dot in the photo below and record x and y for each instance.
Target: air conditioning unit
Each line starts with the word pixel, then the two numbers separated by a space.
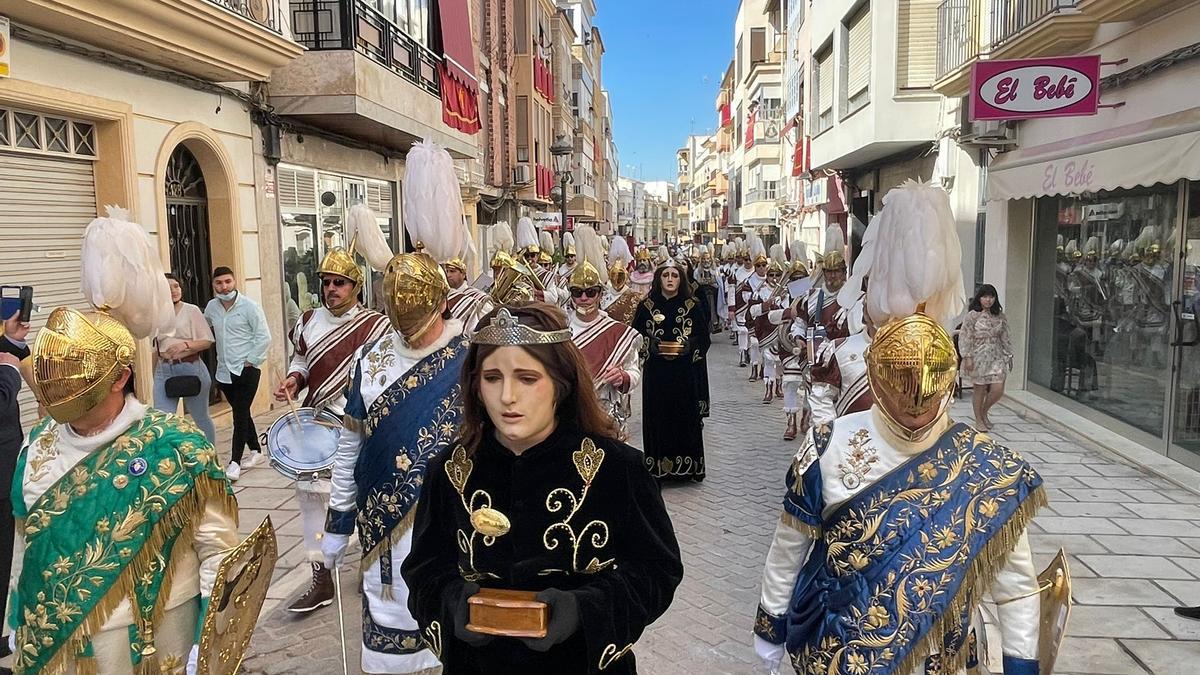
pixel 522 174
pixel 996 133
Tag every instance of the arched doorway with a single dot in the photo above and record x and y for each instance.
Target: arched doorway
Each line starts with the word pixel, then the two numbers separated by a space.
pixel 187 226
pixel 188 236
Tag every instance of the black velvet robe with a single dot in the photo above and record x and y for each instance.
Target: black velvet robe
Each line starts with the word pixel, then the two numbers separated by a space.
pixel 586 518
pixel 674 391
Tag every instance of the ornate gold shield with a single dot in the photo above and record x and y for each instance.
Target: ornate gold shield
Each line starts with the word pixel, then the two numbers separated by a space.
pixel 237 597
pixel 1055 585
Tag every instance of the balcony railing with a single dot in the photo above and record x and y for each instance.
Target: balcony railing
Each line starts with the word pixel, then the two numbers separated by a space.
pixel 323 25
pixel 958 34
pixel 761 195
pixel 265 14
pixel 1011 17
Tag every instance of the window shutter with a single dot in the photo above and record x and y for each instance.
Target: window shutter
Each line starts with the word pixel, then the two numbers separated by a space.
pixel 858 60
pixel 917 35
pixel 297 189
pixel 825 84
pixel 758 45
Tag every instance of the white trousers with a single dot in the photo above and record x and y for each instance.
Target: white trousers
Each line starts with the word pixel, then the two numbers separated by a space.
pixel 792 400
pixel 756 357
pixel 313 497
pixel 391 610
pixel 743 338
pixel 770 368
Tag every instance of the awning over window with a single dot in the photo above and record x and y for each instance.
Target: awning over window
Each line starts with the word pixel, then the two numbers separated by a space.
pixel 460 89
pixel 1159 150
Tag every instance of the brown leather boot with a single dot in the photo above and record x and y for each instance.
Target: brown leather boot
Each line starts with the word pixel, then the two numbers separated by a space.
pixel 319 594
pixel 779 387
pixel 769 395
pixel 790 433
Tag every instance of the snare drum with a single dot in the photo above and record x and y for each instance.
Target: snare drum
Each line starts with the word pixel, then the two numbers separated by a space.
pixel 302 445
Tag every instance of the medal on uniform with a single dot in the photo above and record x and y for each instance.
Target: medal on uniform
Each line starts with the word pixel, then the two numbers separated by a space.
pixel 490 522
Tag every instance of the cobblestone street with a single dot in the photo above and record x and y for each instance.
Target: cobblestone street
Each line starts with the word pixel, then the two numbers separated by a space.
pixel 1133 537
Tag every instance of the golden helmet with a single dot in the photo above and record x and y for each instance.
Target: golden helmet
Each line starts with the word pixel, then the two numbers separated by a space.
pixel 502 259
pixel 531 249
pixel 833 260
pixel 516 284
pixel 585 275
pixel 545 258
pixel 911 367
pixel 76 360
pixel 414 287
pixel 456 264
pixel 761 259
pixel 773 267
pixel 618 274
pixel 570 250
pixel 339 261
pixel 797 270
pixel 643 255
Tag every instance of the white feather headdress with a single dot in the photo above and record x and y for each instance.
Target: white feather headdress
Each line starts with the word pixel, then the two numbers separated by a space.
pixel 568 241
pixel 433 203
pixel 546 242
pixel 500 237
pixel 915 257
pixel 755 245
pixel 367 237
pixel 778 256
pixel 526 233
pixel 618 249
pixel 799 252
pixel 123 275
pixel 834 239
pixel 589 248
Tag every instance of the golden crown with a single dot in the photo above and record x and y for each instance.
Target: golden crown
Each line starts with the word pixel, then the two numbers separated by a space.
pixel 504 330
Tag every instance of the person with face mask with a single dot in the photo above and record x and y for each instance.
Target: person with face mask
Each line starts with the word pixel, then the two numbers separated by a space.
pixel 897 520
pixel 403 408
pixel 242 339
pixel 620 299
pixel 672 321
pixel 325 339
pixel 127 514
pixel 643 272
pixel 610 348
pixel 538 495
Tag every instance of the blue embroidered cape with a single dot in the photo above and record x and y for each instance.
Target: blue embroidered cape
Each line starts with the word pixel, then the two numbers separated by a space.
pixel 896 571
pixel 408 426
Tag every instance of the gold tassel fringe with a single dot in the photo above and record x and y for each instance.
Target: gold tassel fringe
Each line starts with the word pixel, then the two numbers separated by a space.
pixel 977 583
pixel 799 525
pixel 393 538
pixel 182 516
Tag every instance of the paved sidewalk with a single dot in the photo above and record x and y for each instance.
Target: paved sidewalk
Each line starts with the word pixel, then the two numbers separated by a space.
pixel 1134 541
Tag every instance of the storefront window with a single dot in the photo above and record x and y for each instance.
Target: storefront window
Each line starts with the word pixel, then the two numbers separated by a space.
pixel 1104 279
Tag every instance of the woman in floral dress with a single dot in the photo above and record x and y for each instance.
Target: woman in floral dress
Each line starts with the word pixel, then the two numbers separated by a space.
pixel 987 352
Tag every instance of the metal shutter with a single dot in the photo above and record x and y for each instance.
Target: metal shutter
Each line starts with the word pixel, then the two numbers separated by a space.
pixel 297 189
pixel 858 58
pixel 917 35
pixel 825 84
pixel 45 204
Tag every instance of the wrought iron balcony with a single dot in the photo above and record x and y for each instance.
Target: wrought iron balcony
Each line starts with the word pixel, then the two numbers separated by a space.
pixel 323 25
pixel 1011 17
pixel 262 12
pixel 959 41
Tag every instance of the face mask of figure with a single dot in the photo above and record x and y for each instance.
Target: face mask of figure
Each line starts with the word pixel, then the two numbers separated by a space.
pixel 519 397
pixel 670 281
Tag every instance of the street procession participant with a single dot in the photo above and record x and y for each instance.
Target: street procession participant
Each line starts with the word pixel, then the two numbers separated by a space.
pixel 109 491
pixel 642 276
pixel 500 244
pixel 707 276
pixel 747 290
pixel 793 359
pixel 729 258
pixel 620 300
pixel 570 259
pixel 610 348
pixel 766 314
pixel 898 520
pixel 465 302
pixel 325 340
pixel 403 407
pixel 673 402
pixel 538 494
pixel 530 251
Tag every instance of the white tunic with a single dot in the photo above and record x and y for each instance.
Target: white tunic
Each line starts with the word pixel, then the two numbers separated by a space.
pixel 386 361
pixel 631 364
pixel 1016 581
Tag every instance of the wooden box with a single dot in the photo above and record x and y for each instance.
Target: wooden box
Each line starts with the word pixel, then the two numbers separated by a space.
pixel 517 614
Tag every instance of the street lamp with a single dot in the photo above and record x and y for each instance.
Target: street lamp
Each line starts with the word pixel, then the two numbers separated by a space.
pixel 562 150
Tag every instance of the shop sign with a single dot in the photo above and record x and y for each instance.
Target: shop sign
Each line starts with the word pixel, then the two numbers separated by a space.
pixel 1026 88
pixel 5 47
pixel 547 221
pixel 1109 211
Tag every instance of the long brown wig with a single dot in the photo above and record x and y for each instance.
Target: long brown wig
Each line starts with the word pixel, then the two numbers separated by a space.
pixel 576 404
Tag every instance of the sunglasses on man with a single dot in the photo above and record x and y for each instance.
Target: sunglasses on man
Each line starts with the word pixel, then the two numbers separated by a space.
pixel 580 292
pixel 334 281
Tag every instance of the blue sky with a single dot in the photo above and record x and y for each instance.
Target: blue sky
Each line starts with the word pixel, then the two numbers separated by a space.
pixel 663 63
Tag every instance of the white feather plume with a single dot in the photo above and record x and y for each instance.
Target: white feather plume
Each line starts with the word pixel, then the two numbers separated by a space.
pixel 777 255
pixel 526 233
pixel 834 239
pixel 618 249
pixel 546 242
pixel 589 248
pixel 122 273
pixel 799 251
pixel 916 256
pixel 756 245
pixel 433 202
pixel 500 237
pixel 851 291
pixel 568 240
pixel 364 232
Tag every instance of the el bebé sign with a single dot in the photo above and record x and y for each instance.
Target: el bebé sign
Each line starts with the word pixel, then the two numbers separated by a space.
pixel 1067 86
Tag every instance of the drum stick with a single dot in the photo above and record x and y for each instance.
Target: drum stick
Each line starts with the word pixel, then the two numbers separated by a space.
pixel 295 421
pixel 337 595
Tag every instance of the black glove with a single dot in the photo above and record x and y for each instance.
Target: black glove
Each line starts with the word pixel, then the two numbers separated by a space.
pixel 564 619
pixel 462 615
